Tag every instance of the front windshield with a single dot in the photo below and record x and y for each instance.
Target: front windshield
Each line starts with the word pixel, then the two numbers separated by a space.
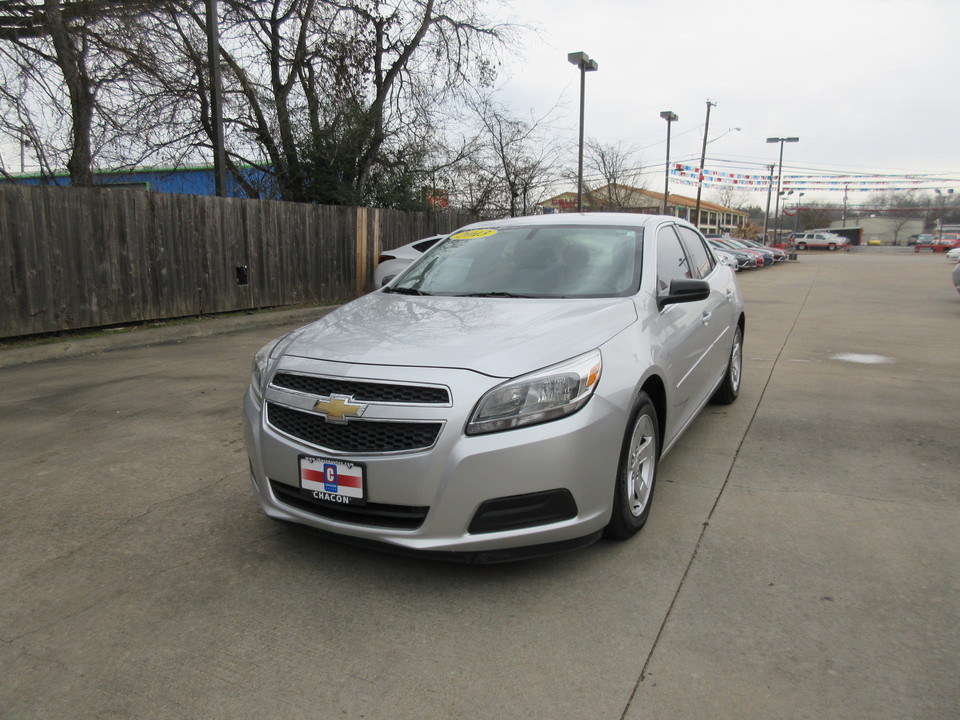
pixel 530 261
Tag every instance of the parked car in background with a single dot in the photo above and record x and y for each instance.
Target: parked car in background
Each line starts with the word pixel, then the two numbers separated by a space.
pixel 770 255
pixel 956 277
pixel 763 258
pixel 392 262
pixel 779 255
pixel 820 241
pixel 943 243
pixel 509 395
pixel 728 259
pixel 745 260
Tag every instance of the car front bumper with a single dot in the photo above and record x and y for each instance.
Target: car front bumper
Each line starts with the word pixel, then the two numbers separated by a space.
pixel 544 486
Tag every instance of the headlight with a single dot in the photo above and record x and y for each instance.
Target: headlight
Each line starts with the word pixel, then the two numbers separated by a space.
pixel 547 394
pixel 258 373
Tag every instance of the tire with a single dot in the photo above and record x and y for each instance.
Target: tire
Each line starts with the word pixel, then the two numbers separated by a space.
pixel 831 247
pixel 801 246
pixel 637 471
pixel 730 386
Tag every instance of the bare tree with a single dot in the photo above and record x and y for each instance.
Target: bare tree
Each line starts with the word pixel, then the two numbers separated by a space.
pixel 730 196
pixel 612 176
pixel 513 161
pixel 66 64
pixel 333 99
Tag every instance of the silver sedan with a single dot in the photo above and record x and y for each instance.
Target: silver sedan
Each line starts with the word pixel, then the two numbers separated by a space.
pixel 510 394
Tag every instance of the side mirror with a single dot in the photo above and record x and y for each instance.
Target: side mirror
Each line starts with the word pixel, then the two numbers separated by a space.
pixel 684 290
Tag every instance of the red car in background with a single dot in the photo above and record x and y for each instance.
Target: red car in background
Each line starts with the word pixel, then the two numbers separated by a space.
pixel 945 242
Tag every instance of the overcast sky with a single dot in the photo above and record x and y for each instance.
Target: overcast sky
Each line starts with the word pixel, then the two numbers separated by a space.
pixel 869 86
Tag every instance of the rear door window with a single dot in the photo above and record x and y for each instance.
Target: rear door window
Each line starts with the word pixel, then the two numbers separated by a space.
pixel 701 261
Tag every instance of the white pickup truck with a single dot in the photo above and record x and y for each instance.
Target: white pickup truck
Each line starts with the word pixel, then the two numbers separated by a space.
pixel 820 240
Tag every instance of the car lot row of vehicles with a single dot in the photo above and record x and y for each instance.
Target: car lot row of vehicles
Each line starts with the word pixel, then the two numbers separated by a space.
pixel 746 254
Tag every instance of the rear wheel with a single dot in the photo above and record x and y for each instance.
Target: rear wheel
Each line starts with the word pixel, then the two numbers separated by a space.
pixel 730 387
pixel 637 471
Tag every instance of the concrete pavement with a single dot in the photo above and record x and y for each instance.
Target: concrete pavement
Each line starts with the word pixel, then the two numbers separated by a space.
pixel 801 560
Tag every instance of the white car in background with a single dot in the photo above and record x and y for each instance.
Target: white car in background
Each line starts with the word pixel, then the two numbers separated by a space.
pixel 953 255
pixel 727 259
pixel 392 262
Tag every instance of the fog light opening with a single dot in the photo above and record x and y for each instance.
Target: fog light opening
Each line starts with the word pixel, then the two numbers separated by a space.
pixel 521 511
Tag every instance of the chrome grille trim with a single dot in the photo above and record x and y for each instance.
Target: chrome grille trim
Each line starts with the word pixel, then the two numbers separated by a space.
pixel 362 390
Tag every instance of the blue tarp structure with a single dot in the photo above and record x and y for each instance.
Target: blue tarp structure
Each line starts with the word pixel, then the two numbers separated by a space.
pixel 185 181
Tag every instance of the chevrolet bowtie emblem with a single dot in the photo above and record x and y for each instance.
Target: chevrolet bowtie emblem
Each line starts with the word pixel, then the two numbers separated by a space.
pixel 337 408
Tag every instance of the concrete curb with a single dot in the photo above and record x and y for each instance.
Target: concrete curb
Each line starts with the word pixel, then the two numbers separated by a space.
pixel 130 337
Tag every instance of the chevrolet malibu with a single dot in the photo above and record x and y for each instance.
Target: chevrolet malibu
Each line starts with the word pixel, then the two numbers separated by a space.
pixel 510 394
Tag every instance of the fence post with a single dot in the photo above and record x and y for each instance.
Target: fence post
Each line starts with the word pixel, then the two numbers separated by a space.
pixel 361 239
pixel 376 236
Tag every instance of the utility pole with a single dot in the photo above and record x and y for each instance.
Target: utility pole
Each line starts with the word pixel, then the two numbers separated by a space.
pixel 703 159
pixel 216 99
pixel 843 218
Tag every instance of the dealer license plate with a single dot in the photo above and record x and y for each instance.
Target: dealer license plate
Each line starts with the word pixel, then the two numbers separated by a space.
pixel 333 480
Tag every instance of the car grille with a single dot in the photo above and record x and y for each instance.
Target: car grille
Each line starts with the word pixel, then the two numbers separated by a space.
pixel 401 517
pixel 356 436
pixel 363 391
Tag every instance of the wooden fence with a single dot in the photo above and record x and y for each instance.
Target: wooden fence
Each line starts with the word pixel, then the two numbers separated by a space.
pixel 75 258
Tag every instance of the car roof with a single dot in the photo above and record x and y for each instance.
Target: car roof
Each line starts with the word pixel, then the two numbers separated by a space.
pixel 634 219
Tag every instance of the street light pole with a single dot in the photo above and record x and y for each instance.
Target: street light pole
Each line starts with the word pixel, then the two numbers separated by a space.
pixel 582 61
pixel 796 222
pixel 785 194
pixel 703 160
pixel 780 140
pixel 671 117
pixel 766 214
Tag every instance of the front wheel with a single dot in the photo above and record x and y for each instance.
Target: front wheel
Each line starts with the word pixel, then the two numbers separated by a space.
pixel 637 471
pixel 730 387
pixel 801 246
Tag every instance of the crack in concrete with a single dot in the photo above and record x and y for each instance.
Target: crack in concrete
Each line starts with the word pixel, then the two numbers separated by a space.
pixel 713 508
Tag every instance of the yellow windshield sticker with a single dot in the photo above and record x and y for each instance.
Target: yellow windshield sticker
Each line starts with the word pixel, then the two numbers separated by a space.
pixel 470 234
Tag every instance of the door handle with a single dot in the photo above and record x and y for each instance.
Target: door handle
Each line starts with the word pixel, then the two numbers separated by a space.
pixel 706 318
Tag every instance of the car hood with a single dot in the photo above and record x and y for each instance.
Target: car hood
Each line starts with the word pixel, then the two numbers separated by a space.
pixel 500 337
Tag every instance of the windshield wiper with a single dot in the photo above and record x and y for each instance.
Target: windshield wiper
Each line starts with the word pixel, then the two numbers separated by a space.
pixel 497 294
pixel 405 291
